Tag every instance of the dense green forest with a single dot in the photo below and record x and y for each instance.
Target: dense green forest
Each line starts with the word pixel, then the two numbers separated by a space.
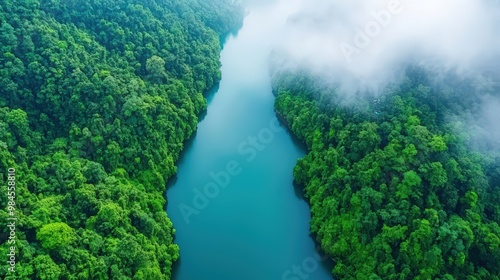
pixel 96 100
pixel 395 191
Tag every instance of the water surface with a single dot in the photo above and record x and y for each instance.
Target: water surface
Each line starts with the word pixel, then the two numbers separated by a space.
pixel 233 203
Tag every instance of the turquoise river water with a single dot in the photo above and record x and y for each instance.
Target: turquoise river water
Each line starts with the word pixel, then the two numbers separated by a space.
pixel 236 212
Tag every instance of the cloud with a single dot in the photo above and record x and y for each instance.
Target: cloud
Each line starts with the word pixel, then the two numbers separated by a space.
pixel 364 44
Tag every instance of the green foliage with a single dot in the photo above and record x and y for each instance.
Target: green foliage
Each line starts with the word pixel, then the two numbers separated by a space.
pixel 96 101
pixel 55 235
pixel 395 193
pixel 155 66
pixel 46 268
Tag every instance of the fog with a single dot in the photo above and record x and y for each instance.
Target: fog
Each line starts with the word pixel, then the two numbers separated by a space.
pixel 361 46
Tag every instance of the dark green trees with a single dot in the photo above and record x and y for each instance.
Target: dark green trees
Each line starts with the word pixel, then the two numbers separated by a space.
pixel 394 192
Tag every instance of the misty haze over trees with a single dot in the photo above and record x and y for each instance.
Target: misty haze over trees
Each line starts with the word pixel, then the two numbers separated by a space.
pixel 402 122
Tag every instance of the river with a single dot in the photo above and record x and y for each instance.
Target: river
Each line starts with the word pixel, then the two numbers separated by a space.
pixel 236 212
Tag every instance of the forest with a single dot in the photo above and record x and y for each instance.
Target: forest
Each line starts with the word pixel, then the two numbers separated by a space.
pixel 395 191
pixel 96 101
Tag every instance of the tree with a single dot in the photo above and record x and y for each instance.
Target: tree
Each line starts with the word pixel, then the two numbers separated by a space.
pixel 109 217
pixel 410 180
pixel 46 268
pixel 55 235
pixel 155 66
pixel 438 144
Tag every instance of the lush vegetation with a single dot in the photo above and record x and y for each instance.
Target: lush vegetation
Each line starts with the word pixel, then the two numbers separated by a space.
pixel 395 191
pixel 96 100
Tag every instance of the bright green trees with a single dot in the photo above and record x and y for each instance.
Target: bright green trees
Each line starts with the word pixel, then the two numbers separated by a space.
pixel 96 101
pixel 46 268
pixel 411 180
pixel 55 235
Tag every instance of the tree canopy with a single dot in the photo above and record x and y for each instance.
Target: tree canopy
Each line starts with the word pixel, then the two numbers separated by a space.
pixel 395 192
pixel 96 101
